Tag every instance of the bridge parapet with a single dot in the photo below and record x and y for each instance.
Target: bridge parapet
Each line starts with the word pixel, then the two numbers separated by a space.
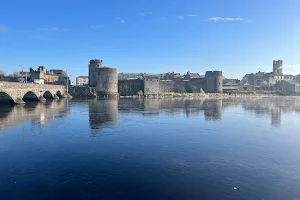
pixel 17 91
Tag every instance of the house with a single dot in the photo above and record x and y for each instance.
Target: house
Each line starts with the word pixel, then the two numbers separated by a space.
pixel 57 77
pixel 287 86
pixel 190 76
pixel 82 81
pixel 171 76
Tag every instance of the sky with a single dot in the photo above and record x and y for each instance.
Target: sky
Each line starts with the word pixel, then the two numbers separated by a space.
pixel 153 36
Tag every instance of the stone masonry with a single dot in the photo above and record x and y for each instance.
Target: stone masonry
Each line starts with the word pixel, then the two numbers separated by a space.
pixel 16 91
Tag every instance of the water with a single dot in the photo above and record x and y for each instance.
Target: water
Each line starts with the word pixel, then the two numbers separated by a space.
pixel 151 149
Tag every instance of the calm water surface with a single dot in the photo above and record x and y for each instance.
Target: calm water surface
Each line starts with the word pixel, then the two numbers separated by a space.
pixel 151 149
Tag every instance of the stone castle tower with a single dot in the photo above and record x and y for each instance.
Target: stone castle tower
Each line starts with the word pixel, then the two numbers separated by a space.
pixel 214 81
pixel 104 79
pixel 93 66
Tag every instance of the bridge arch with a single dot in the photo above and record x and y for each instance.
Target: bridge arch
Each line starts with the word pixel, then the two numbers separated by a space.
pixel 30 96
pixel 6 98
pixel 48 95
pixel 59 94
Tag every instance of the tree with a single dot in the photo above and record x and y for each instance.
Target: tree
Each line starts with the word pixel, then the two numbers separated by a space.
pixel 2 73
pixel 16 75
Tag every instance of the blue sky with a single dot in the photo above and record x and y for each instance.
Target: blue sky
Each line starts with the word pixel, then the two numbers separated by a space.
pixel 235 36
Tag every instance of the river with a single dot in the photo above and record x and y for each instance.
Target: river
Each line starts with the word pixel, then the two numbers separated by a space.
pixel 151 149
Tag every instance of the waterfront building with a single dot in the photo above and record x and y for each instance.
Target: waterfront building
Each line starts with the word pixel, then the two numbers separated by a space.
pixel 82 81
pixel 190 76
pixel 38 76
pixel 171 76
pixel 130 76
pixel 287 86
pixel 56 77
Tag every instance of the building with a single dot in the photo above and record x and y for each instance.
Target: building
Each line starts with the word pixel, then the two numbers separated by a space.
pixel 214 81
pixel 277 67
pixel 171 76
pixel 93 66
pixel 297 78
pixel 130 76
pixel 289 87
pixel 38 76
pixel 190 76
pixel 245 79
pixel 58 72
pixel 82 81
pixel 57 77
pixel 288 77
pixel 267 79
pixel 278 70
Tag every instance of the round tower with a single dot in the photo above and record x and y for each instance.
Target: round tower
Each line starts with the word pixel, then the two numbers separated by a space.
pixel 209 80
pixel 94 64
pixel 107 82
pixel 218 85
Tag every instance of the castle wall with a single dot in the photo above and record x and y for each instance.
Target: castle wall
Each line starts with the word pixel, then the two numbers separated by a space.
pixel 82 92
pixel 155 86
pixel 170 86
pixel 151 86
pixel 130 87
pixel 107 82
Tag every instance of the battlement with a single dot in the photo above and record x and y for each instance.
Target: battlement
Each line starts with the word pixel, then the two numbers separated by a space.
pixel 95 61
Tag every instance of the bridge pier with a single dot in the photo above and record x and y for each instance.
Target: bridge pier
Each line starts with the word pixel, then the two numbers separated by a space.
pixel 55 97
pixel 19 101
pixel 42 98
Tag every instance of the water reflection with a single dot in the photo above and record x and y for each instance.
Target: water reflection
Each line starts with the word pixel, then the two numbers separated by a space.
pixel 38 113
pixel 271 107
pixel 212 109
pixel 103 113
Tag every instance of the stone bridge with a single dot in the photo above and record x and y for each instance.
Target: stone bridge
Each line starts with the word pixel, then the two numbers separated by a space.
pixel 19 93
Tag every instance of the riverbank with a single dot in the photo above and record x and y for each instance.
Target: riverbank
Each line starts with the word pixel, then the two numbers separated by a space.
pixel 89 93
pixel 200 96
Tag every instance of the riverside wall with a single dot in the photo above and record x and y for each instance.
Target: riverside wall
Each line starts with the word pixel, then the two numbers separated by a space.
pixel 130 87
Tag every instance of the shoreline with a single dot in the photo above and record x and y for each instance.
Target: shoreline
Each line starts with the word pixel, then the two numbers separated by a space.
pixel 204 96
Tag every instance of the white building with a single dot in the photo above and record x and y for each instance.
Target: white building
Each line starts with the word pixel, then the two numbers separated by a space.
pixel 82 81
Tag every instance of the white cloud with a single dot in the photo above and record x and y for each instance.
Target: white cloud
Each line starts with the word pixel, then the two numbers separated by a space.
pixel 47 29
pixel 122 21
pixel 192 15
pixel 217 19
pixel 3 28
pixel 180 17
pixel 96 26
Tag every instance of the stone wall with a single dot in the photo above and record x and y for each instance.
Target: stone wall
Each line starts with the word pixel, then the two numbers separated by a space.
pixel 194 85
pixel 19 90
pixel 151 86
pixel 82 92
pixel 155 87
pixel 171 87
pixel 130 87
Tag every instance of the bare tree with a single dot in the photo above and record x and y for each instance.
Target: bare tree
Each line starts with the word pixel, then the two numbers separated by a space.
pixel 2 73
pixel 15 75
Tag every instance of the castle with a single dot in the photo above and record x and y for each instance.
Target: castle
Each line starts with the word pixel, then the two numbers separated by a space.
pixel 104 81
